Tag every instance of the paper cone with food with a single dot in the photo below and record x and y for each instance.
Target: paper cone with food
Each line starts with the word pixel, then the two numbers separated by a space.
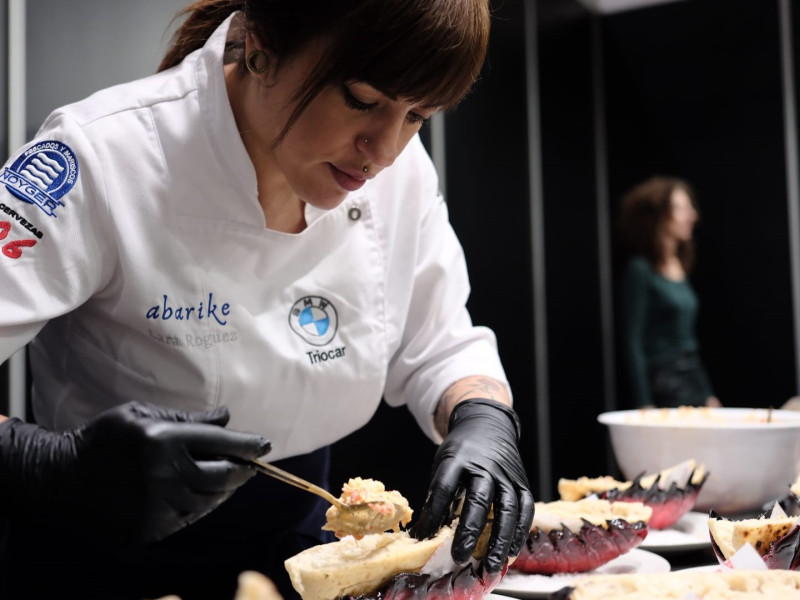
pixel 774 535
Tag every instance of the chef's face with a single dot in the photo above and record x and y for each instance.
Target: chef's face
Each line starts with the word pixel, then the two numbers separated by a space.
pixel 342 130
pixel 683 216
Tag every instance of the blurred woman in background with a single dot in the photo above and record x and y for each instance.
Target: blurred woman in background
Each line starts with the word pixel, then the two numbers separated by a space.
pixel 659 306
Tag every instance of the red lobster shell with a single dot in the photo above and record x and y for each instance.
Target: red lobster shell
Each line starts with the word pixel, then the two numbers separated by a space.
pixel 563 541
pixel 671 493
pixel 465 584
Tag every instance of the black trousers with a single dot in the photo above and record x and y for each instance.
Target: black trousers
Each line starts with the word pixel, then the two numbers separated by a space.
pixel 680 382
pixel 261 525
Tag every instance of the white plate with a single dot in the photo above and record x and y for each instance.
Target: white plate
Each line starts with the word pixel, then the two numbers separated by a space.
pixel 689 533
pixel 703 569
pixel 522 585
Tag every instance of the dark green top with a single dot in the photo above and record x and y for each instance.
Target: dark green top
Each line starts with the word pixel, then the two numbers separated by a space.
pixel 658 318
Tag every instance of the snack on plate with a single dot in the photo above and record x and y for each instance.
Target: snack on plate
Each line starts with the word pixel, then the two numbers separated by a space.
pixel 678 585
pixel 700 416
pixel 388 566
pixel 379 510
pixel 671 493
pixel 575 537
pixel 252 586
pixel 790 503
pixel 775 536
pixel 255 586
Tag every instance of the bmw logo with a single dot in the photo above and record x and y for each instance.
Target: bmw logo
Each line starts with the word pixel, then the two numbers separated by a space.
pixel 314 319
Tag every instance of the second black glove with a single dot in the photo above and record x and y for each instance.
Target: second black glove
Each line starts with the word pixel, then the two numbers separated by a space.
pixel 135 473
pixel 480 456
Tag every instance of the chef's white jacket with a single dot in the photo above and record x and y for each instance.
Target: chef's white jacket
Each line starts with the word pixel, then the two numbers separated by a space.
pixel 136 260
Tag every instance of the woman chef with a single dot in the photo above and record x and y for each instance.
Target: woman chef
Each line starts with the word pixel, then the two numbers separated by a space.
pixel 252 237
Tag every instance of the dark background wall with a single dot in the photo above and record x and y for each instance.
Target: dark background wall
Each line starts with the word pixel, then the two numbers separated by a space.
pixel 694 89
pixel 569 189
pixel 487 175
pixel 690 88
pixel 794 25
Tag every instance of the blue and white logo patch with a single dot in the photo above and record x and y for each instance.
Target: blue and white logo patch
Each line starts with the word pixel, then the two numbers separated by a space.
pixel 42 174
pixel 314 319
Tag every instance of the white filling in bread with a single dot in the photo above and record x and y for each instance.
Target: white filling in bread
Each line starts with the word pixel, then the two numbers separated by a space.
pixel 733 585
pixel 352 567
pixel 560 514
pixel 681 474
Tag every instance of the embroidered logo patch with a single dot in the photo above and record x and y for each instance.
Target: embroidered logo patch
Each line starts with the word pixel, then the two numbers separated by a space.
pixel 42 174
pixel 314 319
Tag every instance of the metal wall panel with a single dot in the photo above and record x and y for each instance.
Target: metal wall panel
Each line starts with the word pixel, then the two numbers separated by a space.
pixel 80 46
pixel 3 156
pixel 4 81
pixel 61 52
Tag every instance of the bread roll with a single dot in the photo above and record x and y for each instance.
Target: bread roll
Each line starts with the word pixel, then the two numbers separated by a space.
pixel 671 492
pixel 351 567
pixel 252 586
pixel 677 585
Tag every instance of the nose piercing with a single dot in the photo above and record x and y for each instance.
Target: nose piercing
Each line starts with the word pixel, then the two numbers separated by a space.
pixel 366 141
pixel 365 169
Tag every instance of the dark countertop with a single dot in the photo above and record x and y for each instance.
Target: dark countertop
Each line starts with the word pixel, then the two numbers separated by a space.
pixel 687 559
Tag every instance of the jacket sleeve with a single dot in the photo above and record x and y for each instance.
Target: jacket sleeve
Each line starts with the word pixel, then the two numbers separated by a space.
pixel 54 246
pixel 634 319
pixel 440 344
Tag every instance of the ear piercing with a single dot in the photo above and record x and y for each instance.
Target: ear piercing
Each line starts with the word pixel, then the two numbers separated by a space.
pixel 257 61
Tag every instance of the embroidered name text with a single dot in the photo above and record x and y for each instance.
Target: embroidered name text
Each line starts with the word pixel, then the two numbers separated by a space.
pixel 210 310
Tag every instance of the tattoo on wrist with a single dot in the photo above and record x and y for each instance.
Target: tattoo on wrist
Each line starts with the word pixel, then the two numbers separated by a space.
pixel 473 387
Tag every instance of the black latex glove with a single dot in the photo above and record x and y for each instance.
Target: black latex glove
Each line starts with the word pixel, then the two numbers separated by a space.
pixel 135 473
pixel 480 457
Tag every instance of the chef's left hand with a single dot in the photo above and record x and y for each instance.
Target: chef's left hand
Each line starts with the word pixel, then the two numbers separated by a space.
pixel 480 455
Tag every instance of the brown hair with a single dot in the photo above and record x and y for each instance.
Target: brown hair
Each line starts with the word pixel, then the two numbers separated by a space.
pixel 642 212
pixel 428 51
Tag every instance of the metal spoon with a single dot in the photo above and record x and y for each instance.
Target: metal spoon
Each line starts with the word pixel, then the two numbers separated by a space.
pixel 296 481
pixel 355 519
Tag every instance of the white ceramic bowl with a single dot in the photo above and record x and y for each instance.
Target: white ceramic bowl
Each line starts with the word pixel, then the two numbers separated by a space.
pixel 750 461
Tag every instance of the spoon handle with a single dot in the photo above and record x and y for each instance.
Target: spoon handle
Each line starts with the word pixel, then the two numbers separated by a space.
pixel 296 481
